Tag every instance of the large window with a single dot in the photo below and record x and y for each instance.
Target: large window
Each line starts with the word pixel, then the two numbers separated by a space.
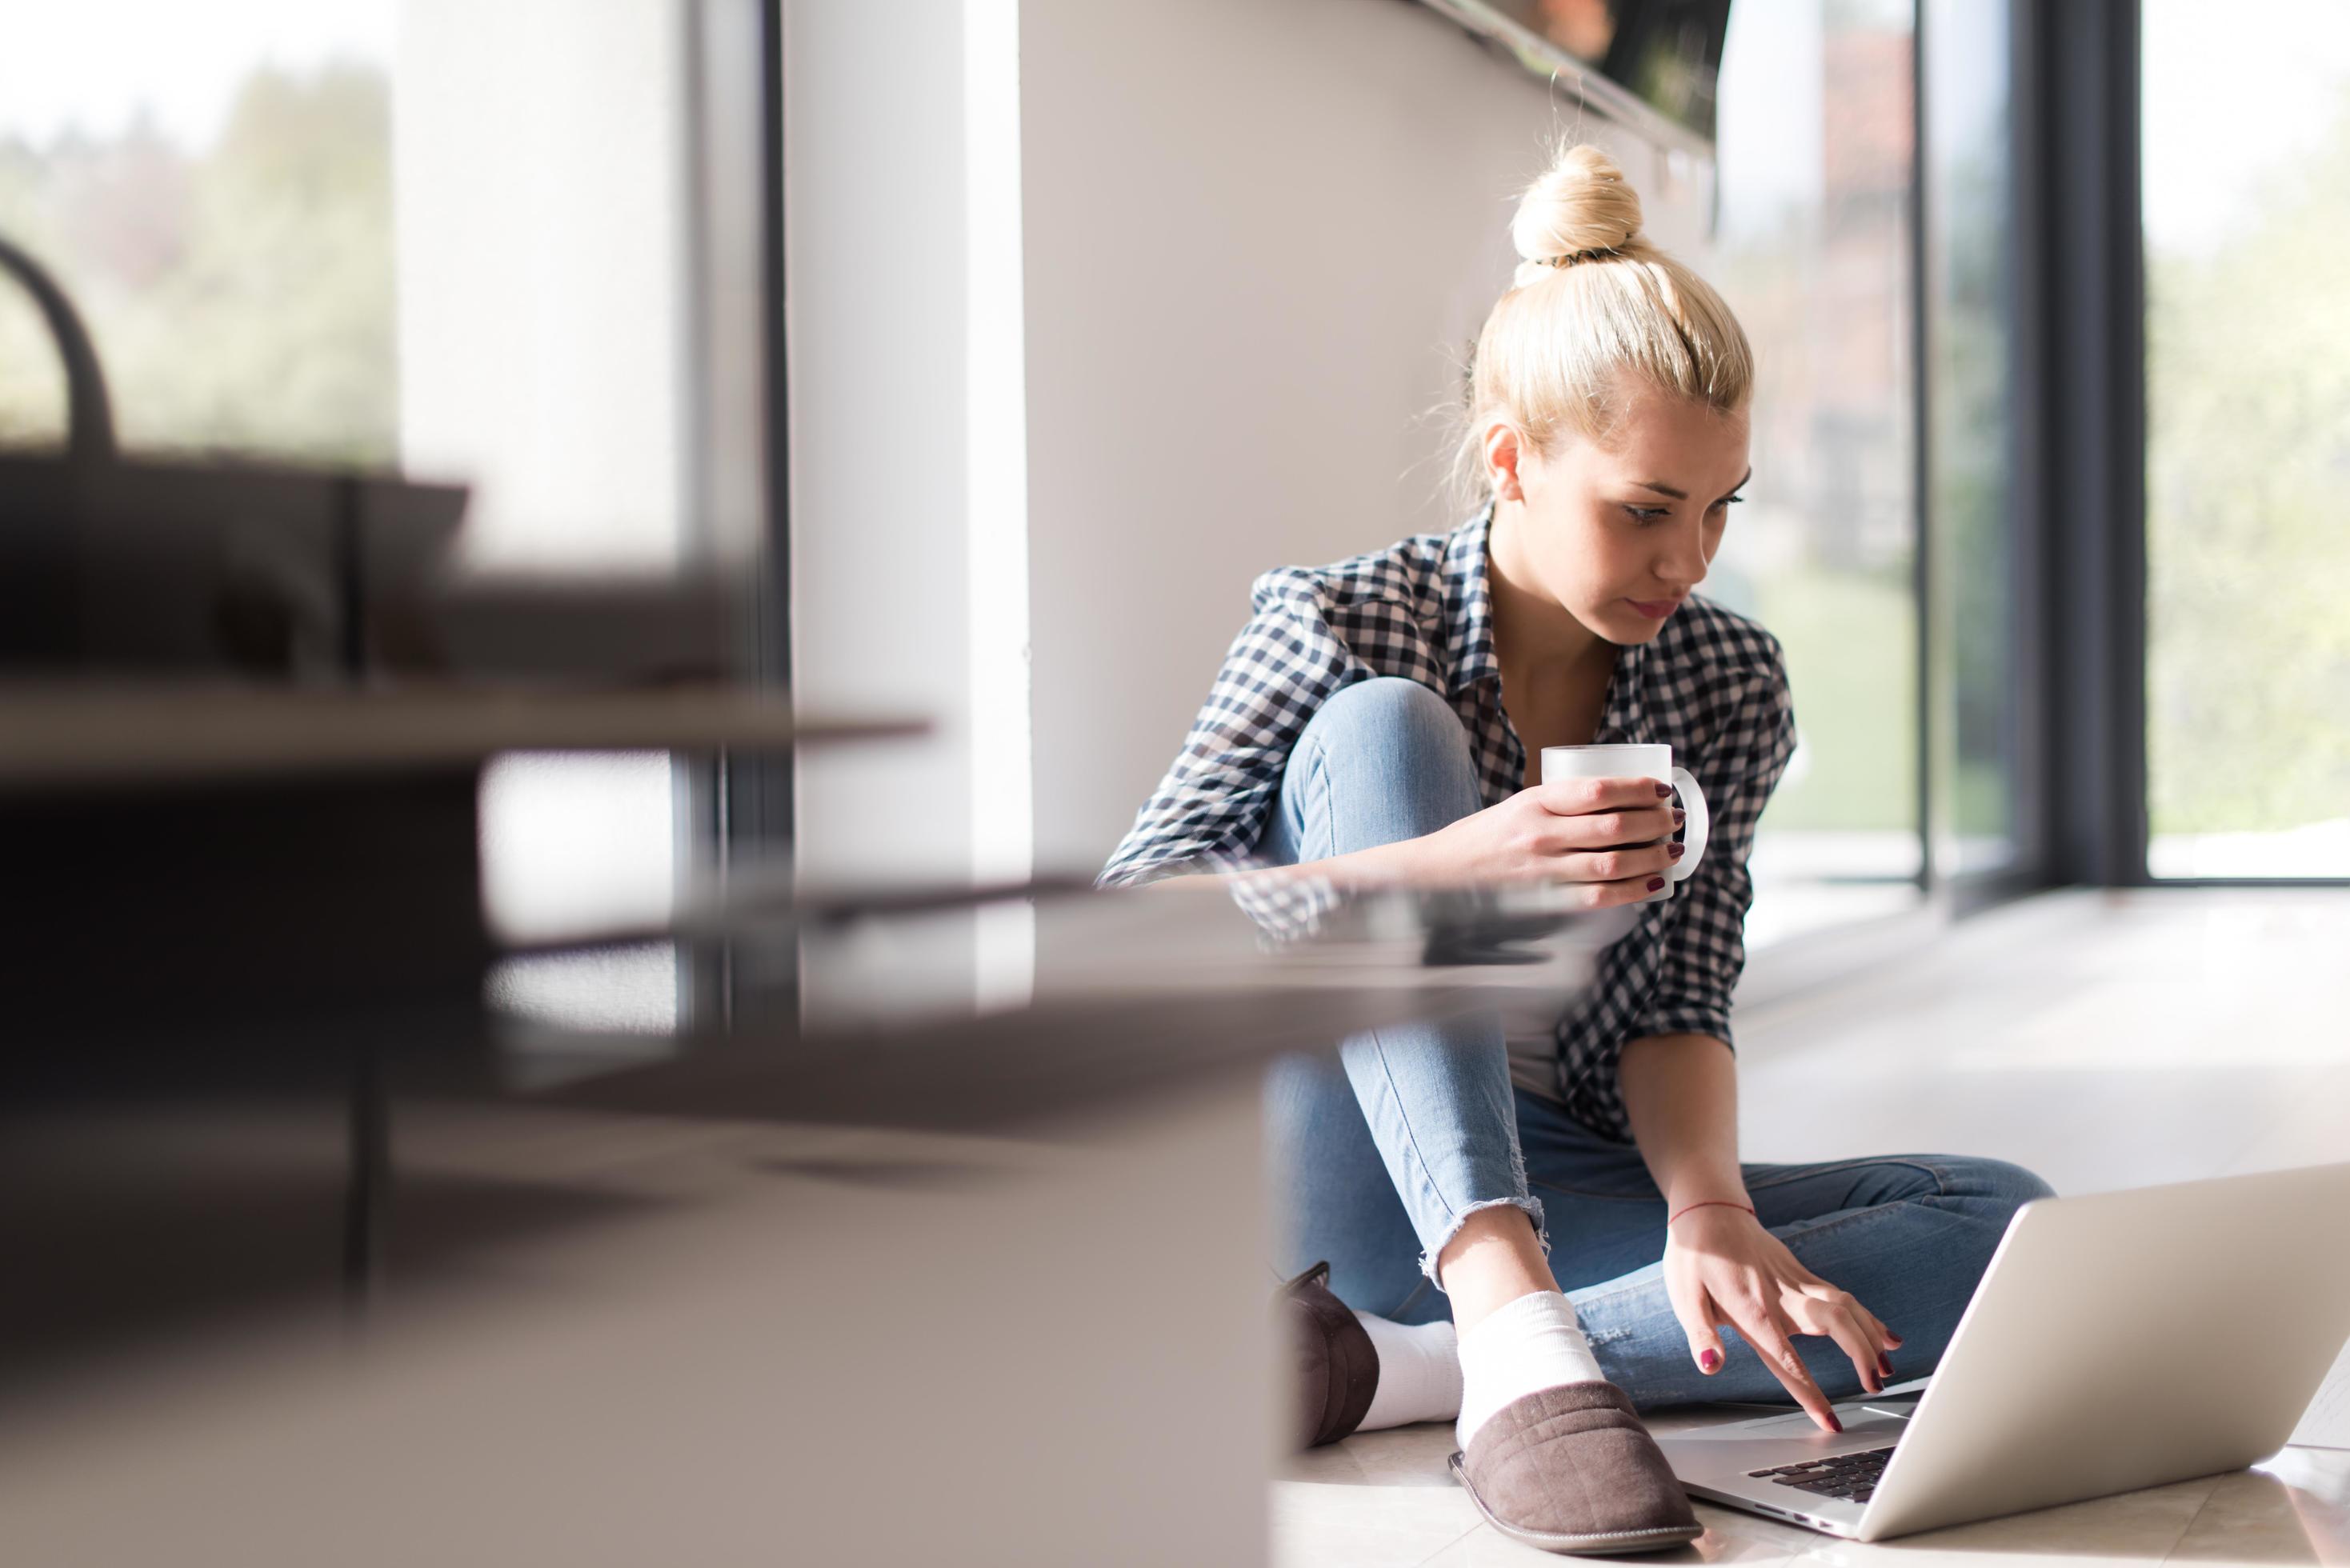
pixel 469 240
pixel 2247 222
pixel 1813 252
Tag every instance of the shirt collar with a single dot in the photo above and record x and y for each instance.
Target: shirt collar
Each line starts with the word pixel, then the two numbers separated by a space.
pixel 1469 604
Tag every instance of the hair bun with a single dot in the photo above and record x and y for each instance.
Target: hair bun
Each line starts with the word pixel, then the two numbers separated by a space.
pixel 1580 203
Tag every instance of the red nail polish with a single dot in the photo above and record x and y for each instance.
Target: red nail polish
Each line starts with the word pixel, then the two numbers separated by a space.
pixel 1884 1365
pixel 1835 1425
pixel 1673 851
pixel 1664 792
pixel 1655 883
pixel 1710 1359
pixel 1679 817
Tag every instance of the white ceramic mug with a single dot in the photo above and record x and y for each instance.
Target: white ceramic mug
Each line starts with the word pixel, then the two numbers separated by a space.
pixel 1639 761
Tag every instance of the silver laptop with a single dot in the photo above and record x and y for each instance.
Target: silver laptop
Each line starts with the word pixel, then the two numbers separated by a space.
pixel 2117 1341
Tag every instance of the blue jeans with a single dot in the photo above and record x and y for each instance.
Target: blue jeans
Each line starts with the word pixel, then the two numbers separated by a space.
pixel 1378 1157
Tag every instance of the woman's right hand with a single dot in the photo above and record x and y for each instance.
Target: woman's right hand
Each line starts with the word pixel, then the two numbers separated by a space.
pixel 1609 839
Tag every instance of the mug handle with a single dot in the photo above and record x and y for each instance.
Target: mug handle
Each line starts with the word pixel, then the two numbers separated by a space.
pixel 1695 830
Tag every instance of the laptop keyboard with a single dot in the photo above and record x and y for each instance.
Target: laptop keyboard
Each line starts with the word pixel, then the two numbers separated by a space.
pixel 1853 1476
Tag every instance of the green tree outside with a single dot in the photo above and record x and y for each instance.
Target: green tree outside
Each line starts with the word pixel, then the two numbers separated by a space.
pixel 2248 469
pixel 242 296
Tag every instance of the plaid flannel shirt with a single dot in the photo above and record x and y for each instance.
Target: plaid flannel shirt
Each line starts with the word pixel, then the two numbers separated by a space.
pixel 1711 684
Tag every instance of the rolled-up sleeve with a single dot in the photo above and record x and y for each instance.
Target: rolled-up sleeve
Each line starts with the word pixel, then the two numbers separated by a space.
pixel 1703 938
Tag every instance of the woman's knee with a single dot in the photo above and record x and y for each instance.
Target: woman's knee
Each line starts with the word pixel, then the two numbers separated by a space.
pixel 1948 1180
pixel 1996 1182
pixel 1386 716
pixel 1382 760
pixel 1983 1195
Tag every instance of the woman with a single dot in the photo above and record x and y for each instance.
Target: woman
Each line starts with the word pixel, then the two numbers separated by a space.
pixel 1588 1243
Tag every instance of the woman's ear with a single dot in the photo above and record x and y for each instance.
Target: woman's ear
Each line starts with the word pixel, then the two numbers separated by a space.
pixel 1502 451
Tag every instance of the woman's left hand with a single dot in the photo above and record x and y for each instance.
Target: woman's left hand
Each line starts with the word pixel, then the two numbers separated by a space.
pixel 1722 1267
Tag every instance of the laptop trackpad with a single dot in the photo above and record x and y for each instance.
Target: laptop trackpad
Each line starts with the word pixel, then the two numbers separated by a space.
pixel 1742 1446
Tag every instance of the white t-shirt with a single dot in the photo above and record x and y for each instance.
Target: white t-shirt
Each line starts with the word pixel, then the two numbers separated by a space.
pixel 1530 1030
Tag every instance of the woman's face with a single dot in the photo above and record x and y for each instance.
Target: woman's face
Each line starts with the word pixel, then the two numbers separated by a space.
pixel 1620 534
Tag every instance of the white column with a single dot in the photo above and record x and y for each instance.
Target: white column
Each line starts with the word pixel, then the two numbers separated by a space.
pixel 1002 797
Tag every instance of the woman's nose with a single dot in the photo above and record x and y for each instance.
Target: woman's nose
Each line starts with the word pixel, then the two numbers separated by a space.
pixel 1683 566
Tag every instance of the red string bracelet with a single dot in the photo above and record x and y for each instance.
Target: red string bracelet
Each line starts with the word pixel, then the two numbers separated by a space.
pixel 1707 1203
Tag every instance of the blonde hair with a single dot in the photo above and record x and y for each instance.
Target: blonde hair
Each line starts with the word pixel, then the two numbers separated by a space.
pixel 1592 300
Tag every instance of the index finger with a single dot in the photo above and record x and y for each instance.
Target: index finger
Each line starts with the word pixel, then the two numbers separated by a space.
pixel 1580 797
pixel 1769 1337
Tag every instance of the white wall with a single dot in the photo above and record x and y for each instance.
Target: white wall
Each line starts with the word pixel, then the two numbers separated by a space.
pixel 1097 310
pixel 1258 237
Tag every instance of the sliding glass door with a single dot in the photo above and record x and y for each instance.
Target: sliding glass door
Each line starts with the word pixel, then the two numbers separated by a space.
pixel 1813 249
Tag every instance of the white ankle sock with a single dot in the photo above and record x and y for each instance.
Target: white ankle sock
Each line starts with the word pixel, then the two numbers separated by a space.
pixel 1532 1344
pixel 1419 1372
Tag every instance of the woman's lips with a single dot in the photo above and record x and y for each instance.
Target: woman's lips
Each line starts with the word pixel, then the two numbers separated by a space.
pixel 1655 610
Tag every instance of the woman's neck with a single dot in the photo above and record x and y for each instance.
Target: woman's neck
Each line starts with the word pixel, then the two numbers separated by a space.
pixel 1534 632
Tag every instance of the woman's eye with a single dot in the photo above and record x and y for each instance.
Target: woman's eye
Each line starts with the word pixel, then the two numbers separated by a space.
pixel 1648 514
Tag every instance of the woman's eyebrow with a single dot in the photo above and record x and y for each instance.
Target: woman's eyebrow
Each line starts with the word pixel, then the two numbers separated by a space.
pixel 1683 495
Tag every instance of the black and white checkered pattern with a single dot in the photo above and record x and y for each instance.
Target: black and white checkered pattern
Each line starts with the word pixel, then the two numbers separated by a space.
pixel 1711 684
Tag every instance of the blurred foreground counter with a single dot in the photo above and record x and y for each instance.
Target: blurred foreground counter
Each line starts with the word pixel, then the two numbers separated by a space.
pixel 624 1340
pixel 975 1271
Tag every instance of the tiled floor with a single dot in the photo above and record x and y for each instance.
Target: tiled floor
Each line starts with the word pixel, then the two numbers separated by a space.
pixel 2105 1040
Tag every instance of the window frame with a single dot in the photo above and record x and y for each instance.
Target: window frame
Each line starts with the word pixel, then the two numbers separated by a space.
pixel 736 809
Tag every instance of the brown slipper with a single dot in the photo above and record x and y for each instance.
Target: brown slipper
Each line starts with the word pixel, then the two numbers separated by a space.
pixel 1571 1468
pixel 1337 1369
